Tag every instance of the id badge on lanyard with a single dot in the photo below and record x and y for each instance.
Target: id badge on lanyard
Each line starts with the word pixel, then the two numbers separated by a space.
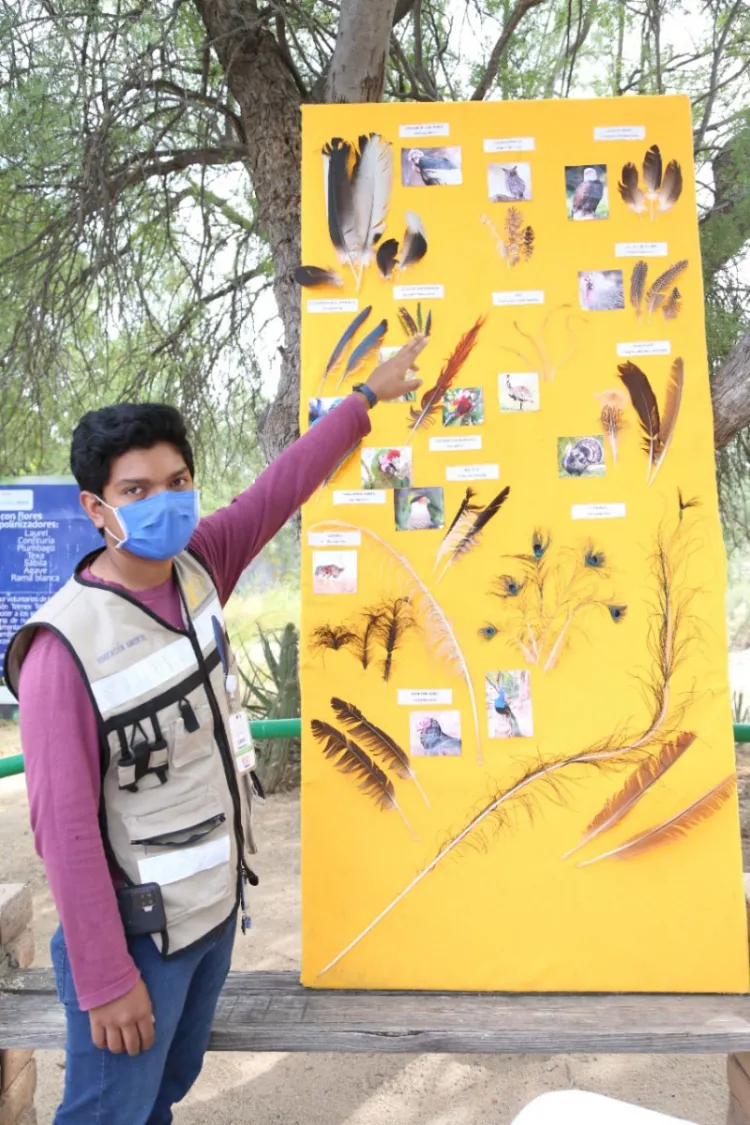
pixel 242 741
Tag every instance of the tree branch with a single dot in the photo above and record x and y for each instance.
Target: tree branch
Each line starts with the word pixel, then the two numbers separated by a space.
pixel 493 63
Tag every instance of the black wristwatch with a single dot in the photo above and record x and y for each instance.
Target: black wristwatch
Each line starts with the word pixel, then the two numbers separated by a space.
pixel 368 392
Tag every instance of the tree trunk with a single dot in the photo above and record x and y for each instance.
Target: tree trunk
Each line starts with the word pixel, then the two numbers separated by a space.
pixel 269 102
pixel 269 99
pixel 730 392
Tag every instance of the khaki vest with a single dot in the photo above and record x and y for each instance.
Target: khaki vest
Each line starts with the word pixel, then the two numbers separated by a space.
pixel 174 810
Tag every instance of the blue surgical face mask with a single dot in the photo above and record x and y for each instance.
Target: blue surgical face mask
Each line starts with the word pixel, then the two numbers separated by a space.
pixel 159 527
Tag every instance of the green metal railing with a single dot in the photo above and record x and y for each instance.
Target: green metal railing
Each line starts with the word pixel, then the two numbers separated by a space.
pixel 263 729
pixel 287 728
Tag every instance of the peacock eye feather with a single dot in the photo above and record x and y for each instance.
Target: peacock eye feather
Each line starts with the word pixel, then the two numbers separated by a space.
pixel 508 586
pixel 488 632
pixel 539 544
pixel 594 559
pixel 617 612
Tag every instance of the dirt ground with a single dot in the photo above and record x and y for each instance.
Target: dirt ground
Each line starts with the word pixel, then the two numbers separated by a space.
pixel 364 1089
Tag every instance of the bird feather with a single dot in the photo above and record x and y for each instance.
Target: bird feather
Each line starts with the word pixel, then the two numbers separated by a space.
pixel 377 742
pixel 630 193
pixel 414 246
pixel 466 507
pixel 408 322
pixel 428 324
pixel 366 639
pixel 652 169
pixel 432 398
pixel 393 622
pixel 674 829
pixel 670 413
pixel 673 306
pixel 645 405
pixel 387 257
pixel 346 336
pixel 617 807
pixel 372 180
pixel 464 535
pixel 310 277
pixel 637 285
pixel 671 187
pixel 340 200
pixel 363 349
pixel 442 643
pixel 656 293
pixel 350 760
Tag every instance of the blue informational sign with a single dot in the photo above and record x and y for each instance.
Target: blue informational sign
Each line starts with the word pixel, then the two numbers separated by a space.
pixel 44 532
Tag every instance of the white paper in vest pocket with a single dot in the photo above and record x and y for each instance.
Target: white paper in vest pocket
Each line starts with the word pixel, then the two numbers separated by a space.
pixel 239 732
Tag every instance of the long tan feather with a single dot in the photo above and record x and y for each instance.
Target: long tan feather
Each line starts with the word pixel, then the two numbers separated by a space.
pixel 636 787
pixel 462 521
pixel 671 186
pixel 669 414
pixel 674 829
pixel 637 285
pixel 442 643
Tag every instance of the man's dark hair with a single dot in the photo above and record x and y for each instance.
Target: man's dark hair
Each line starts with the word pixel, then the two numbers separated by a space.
pixel 103 435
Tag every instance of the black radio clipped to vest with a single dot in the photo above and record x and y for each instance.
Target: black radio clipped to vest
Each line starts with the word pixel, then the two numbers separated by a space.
pixel 142 909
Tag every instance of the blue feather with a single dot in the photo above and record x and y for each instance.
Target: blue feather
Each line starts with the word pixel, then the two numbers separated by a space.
pixel 362 350
pixel 354 327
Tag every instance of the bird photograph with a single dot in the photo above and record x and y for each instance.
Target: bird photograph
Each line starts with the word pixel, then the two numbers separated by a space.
pixel 463 406
pixel 431 167
pixel 587 192
pixel 435 734
pixel 508 700
pixel 386 468
pixel 601 290
pixel 334 572
pixel 419 509
pixel 581 457
pixel 317 408
pixel 509 183
pixel 518 392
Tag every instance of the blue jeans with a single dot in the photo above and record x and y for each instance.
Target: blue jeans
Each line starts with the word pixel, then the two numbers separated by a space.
pixel 106 1089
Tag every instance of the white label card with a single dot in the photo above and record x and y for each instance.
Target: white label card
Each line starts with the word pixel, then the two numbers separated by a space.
pixel 239 731
pixel 348 305
pixel 424 697
pixel 640 249
pixel 472 472
pixel 644 347
pixel 427 129
pixel 519 297
pixel 620 133
pixel 375 496
pixel 509 144
pixel 598 511
pixel 418 292
pixel 455 444
pixel 334 538
pixel 16 500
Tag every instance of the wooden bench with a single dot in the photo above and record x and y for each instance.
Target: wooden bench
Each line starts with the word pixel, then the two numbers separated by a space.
pixel 270 1011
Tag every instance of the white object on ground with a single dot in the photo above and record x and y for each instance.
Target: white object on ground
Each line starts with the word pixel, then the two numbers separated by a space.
pixel 576 1107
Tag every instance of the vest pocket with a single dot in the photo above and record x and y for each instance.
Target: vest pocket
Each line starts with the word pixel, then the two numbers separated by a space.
pixel 177 826
pixel 191 734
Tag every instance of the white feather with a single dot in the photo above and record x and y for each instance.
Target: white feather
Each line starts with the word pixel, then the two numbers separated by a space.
pixel 372 195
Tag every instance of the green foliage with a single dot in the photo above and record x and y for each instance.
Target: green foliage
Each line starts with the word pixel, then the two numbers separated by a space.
pixel 271 691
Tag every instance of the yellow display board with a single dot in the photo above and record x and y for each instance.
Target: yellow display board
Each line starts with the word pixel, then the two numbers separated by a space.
pixel 518 768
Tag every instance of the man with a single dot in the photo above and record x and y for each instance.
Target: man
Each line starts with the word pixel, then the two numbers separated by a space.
pixel 130 725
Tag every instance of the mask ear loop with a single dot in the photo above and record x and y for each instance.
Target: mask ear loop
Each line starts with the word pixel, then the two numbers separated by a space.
pixel 118 542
